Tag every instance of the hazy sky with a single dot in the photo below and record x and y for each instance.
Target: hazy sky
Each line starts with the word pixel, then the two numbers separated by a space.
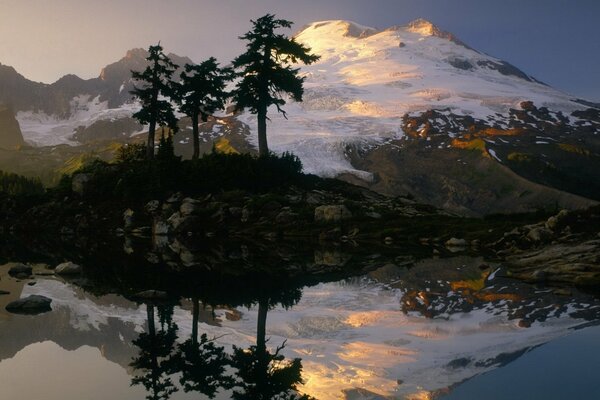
pixel 557 41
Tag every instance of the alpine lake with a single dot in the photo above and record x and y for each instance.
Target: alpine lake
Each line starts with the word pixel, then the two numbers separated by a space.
pixel 153 319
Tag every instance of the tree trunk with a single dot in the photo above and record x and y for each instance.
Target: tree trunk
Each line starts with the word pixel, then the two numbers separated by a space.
pixel 150 144
pixel 195 317
pixel 263 148
pixel 196 135
pixel 261 115
pixel 261 327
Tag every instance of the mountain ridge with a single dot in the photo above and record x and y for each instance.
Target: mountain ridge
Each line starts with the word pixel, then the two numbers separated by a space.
pixel 414 88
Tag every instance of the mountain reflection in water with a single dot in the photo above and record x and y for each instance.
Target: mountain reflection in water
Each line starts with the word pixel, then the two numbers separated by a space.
pixel 386 332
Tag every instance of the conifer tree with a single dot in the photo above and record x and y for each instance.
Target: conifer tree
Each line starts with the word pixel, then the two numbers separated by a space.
pixel 202 92
pixel 266 72
pixel 154 94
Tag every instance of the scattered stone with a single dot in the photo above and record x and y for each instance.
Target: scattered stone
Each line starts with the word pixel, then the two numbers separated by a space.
pixel 34 304
pixel 373 214
pixel 455 242
pixel 68 268
pixel 388 240
pixel 152 207
pixel 160 228
pixel 175 198
pixel 188 206
pixel 32 283
pixel 332 213
pixel 18 270
pixel 539 235
pixel 286 216
pixel 128 218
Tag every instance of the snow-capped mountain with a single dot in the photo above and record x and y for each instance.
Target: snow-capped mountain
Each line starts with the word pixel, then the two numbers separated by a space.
pixel 408 109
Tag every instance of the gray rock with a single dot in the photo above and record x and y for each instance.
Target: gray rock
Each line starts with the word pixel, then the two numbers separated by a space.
pixel 18 269
pixel 128 218
pixel 68 268
pixel 332 213
pixel 286 217
pixel 34 304
pixel 188 206
pixel 175 198
pixel 175 220
pixel 539 235
pixel 152 206
pixel 455 242
pixel 160 228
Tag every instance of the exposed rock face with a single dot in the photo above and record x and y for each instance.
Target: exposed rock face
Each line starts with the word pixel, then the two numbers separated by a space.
pixel 33 304
pixel 564 249
pixel 10 132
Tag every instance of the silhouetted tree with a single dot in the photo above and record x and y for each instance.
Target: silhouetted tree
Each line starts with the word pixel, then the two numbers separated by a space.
pixel 265 375
pixel 154 94
pixel 266 72
pixel 154 359
pixel 201 362
pixel 202 92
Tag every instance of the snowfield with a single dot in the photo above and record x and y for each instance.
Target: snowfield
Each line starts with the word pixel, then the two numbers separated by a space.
pixel 357 93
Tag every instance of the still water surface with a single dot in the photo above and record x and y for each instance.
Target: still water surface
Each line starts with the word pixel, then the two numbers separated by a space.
pixel 443 329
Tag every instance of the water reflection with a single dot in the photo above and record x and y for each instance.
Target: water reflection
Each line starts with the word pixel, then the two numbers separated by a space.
pixel 376 329
pixel 205 367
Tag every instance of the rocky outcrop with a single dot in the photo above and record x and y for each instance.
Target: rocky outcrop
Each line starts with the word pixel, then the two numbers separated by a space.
pixel 564 249
pixel 11 137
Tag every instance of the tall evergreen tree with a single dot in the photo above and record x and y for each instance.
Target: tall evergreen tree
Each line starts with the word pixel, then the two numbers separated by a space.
pixel 154 94
pixel 202 92
pixel 266 72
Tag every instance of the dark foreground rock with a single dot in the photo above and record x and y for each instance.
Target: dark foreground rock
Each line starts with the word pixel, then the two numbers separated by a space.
pixel 34 304
pixel 68 268
pixel 563 250
pixel 19 270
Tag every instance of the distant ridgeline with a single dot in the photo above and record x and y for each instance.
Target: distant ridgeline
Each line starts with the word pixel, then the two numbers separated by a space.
pixel 16 185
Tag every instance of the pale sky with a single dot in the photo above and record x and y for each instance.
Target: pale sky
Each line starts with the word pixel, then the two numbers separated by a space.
pixel 556 41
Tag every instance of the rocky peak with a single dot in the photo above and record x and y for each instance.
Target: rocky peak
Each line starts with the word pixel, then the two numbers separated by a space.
pixel 424 27
pixel 339 27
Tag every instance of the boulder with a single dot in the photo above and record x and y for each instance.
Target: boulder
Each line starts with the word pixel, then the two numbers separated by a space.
pixel 34 304
pixel 128 218
pixel 188 206
pixel 455 242
pixel 152 207
pixel 539 235
pixel 332 213
pixel 160 228
pixel 18 269
pixel 68 268
pixel 286 216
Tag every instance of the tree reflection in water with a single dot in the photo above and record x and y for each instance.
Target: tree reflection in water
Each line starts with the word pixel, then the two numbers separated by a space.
pixel 206 368
pixel 155 356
